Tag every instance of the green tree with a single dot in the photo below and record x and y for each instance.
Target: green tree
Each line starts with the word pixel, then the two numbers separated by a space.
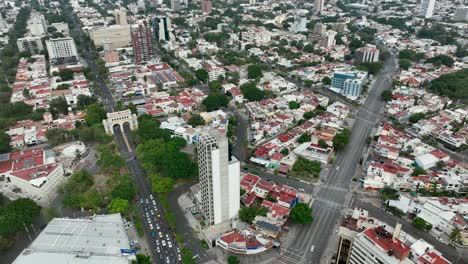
pixel 305 166
pixel 58 106
pixel 56 136
pixel 161 184
pixel 233 260
pixel 251 92
pixel 386 95
pixel 95 114
pixel 387 193
pixel 83 101
pixel 254 71
pixel 110 161
pixel 215 101
pixel 414 118
pixel 341 139
pixel 143 259
pixel 418 171
pixel 120 206
pixel 326 80
pixel 305 137
pixel 455 235
pixel 248 214
pixel 4 142
pixel 187 256
pixel 294 105
pixel 404 64
pixel 322 143
pixel 301 213
pixel 122 187
pixel 16 214
pixel 196 120
pixel 421 224
pixel 201 75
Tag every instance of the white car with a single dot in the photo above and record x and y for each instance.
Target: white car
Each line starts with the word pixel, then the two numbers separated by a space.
pixel 158 249
pixel 160 235
pixel 163 242
pixel 151 226
pixel 337 168
pixel 312 248
pixel 169 244
pixel 133 243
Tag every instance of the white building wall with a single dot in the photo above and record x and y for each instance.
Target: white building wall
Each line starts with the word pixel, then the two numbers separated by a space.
pixel 234 187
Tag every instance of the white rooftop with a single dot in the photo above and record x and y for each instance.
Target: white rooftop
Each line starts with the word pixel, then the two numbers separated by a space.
pixel 98 240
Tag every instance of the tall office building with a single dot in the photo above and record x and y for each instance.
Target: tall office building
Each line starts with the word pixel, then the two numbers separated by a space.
pixel 206 7
pixel 3 24
pixel 62 51
pixel 461 14
pixel 219 178
pixel 318 6
pixel 163 28
pixel 33 45
pixel 369 53
pixel 252 2
pixel 120 16
pixel 175 5
pixel 427 8
pixel 142 42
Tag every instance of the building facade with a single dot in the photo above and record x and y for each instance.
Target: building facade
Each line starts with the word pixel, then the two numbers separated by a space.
pixel 318 6
pixel 62 51
pixel 142 42
pixel 349 83
pixel 367 54
pixel 219 178
pixel 163 28
pixel 175 5
pixel 427 8
pixel 114 37
pixel 120 16
pixel 206 7
pixel 461 14
pixel 33 45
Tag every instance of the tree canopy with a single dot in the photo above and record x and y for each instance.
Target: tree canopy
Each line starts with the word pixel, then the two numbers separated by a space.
pixel 452 85
pixel 201 75
pixel 248 213
pixel 215 101
pixel 251 92
pixel 254 71
pixel 301 213
pixel 16 214
pixel 161 184
pixel 118 205
pixel 95 114
pixel 341 139
pixel 310 167
pixel 196 120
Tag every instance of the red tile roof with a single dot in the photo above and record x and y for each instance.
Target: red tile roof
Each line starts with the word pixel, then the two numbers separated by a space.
pixel 383 239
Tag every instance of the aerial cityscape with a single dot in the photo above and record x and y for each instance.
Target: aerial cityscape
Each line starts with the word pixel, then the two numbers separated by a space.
pixel 234 131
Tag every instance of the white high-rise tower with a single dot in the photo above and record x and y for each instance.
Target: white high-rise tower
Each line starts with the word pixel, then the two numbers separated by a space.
pixel 318 6
pixel 219 178
pixel 427 8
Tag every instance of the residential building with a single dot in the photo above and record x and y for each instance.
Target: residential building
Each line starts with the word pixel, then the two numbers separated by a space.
pixel 315 152
pixel 163 28
pixel 37 24
pixel 252 2
pixel 142 42
pixel 175 5
pixel 214 69
pixel 327 39
pixel 62 51
pixel 318 6
pixel 62 27
pixel 219 178
pixel 349 83
pixel 3 24
pixel 461 14
pixel 427 8
pixel 206 7
pixel 33 45
pixel 113 37
pixel 367 54
pixel 378 246
pixel 34 172
pixel 99 239
pixel 120 16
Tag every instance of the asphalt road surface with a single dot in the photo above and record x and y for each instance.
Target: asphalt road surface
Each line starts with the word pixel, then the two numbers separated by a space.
pixel 334 195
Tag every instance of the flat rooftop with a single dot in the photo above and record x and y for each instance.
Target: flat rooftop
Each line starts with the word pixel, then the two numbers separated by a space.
pixel 97 240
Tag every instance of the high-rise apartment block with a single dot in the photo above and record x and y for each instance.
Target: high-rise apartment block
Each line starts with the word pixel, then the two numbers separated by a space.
pixel 175 5
pixel 62 51
pixel 367 54
pixel 427 8
pixel 219 178
pixel 206 7
pixel 163 28
pixel 37 24
pixel 461 14
pixel 328 39
pixel 318 6
pixel 115 36
pixel 120 16
pixel 33 45
pixel 142 42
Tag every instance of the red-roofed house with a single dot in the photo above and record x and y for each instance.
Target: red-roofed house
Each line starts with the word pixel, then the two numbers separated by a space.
pixel 432 257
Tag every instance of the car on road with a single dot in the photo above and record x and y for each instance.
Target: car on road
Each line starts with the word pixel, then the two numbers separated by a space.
pixel 151 226
pixel 179 257
pixel 168 260
pixel 169 243
pixel 141 201
pixel 178 249
pixel 158 227
pixel 134 242
pixel 160 235
pixel 337 168
pixel 312 248
pixel 163 242
pixel 152 234
pixel 158 249
pixel 151 196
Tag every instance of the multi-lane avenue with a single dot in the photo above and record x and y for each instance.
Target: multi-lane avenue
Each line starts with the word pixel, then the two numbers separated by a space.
pixel 334 194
